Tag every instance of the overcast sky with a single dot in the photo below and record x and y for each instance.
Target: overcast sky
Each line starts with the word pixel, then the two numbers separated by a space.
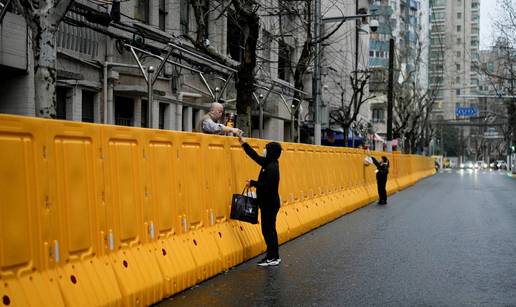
pixel 488 11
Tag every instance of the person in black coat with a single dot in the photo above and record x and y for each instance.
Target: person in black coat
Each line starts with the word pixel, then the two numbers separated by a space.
pixel 267 196
pixel 381 178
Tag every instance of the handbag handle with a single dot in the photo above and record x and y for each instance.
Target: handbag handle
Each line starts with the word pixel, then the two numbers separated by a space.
pixel 245 191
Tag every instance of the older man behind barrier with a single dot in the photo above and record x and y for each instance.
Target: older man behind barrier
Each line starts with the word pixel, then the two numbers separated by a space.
pixel 209 123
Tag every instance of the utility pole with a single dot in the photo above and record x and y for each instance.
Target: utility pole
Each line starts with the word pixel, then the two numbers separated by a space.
pixel 390 94
pixel 357 23
pixel 316 85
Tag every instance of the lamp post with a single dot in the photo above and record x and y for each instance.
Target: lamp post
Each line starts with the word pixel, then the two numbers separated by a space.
pixel 150 105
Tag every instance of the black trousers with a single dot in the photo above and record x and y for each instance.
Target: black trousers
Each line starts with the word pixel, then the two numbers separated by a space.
pixel 382 192
pixel 269 230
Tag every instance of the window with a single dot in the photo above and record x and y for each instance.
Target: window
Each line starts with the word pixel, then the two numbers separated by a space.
pixel 371 54
pixel 378 116
pixel 284 61
pixel 457 66
pixel 162 110
pixel 124 111
pixel 266 53
pixel 459 28
pixel 142 11
pixel 184 16
pixel 457 92
pixel 459 15
pixel 457 80
pixel 61 93
pixel 87 106
pixel 438 2
pixel 458 54
pixel 162 15
pixel 144 109
pixel 459 41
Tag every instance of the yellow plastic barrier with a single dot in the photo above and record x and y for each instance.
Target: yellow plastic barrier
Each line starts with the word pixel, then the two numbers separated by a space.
pixel 96 215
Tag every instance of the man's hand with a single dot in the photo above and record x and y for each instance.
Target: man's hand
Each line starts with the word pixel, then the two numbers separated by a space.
pixel 236 131
pixel 248 183
pixel 240 139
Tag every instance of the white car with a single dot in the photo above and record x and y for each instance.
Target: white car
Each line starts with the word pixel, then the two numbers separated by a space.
pixel 501 164
pixel 467 164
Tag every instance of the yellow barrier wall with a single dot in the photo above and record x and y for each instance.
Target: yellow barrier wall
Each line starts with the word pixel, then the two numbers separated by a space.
pixel 97 215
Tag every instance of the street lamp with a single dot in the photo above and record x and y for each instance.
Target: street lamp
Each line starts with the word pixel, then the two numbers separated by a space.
pixel 150 80
pixel 217 91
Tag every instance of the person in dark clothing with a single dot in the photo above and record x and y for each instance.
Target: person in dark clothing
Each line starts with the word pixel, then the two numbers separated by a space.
pixel 381 178
pixel 267 196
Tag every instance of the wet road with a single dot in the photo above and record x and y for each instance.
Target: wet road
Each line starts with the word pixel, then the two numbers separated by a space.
pixel 448 241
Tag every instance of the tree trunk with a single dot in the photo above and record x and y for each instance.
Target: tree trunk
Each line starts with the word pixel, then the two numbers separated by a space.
pixel 44 22
pixel 345 131
pixel 45 72
pixel 245 77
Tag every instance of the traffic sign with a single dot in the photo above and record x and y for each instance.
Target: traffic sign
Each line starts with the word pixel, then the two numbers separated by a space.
pixel 465 111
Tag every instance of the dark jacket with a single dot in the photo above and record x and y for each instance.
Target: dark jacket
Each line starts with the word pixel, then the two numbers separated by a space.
pixel 383 170
pixel 268 180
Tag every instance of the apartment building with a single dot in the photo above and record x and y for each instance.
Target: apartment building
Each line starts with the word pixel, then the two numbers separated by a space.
pixel 407 22
pixel 454 45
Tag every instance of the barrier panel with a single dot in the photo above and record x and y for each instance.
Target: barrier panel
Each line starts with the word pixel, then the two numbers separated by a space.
pixel 98 215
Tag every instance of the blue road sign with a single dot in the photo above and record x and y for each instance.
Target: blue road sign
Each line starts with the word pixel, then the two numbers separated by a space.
pixel 465 111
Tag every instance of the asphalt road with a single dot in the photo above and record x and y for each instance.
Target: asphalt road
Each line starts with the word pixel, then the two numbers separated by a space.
pixel 450 240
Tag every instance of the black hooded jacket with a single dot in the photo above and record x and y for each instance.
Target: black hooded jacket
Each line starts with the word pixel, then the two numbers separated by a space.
pixel 268 180
pixel 383 169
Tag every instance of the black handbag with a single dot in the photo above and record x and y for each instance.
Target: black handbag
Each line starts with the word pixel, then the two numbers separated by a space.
pixel 244 208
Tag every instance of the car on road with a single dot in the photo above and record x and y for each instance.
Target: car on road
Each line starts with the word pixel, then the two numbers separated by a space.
pixel 467 165
pixel 501 164
pixel 480 165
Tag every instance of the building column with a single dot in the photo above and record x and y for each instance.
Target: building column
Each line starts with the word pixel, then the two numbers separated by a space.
pixel 97 108
pixel 198 116
pixel 74 104
pixel 155 114
pixel 179 117
pixel 137 112
pixel 170 117
pixel 110 104
pixel 273 129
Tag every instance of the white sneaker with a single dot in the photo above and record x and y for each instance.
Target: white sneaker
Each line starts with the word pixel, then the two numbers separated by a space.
pixel 269 262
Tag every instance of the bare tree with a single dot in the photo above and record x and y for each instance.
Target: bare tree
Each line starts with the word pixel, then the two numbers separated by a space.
pixel 246 18
pixel 43 18
pixel 501 69
pixel 413 104
pixel 348 112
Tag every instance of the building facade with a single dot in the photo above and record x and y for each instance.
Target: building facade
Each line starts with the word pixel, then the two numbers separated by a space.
pixel 344 59
pixel 454 46
pixel 407 22
pixel 99 78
